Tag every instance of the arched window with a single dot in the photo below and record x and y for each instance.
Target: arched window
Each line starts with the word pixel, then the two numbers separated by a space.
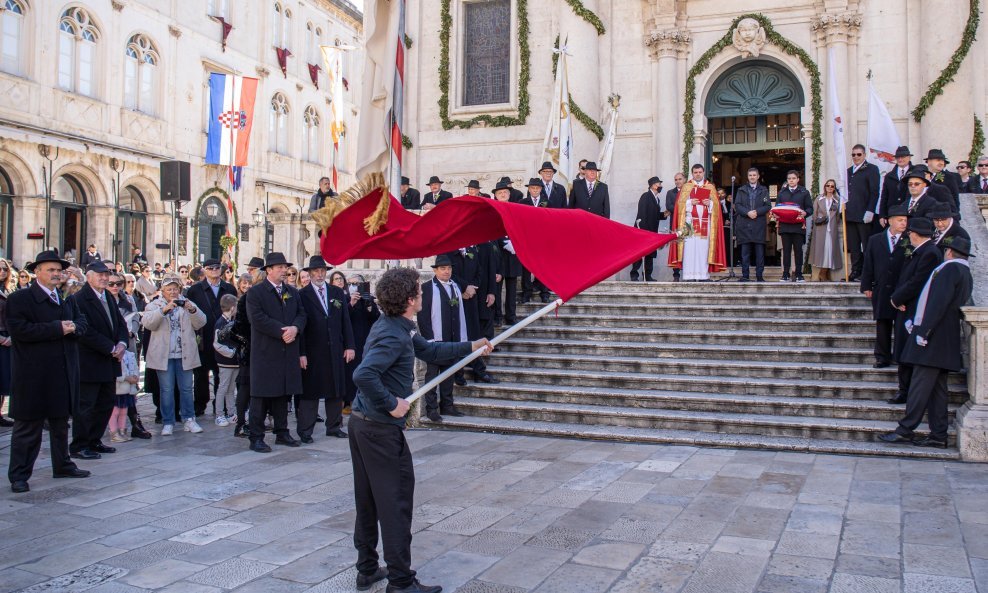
pixel 219 8
pixel 282 26
pixel 313 41
pixel 11 29
pixel 278 18
pixel 77 52
pixel 67 223
pixel 131 223
pixel 278 124
pixel 140 67
pixel 311 139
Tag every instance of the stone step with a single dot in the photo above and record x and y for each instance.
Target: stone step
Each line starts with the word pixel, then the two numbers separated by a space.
pixel 689 309
pixel 762 300
pixel 691 438
pixel 745 288
pixel 724 337
pixel 568 318
pixel 638 399
pixel 809 388
pixel 713 422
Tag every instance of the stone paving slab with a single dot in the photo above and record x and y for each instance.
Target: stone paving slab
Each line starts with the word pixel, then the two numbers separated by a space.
pixel 501 514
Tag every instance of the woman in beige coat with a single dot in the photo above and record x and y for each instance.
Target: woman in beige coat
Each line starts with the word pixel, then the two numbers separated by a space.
pixel 173 350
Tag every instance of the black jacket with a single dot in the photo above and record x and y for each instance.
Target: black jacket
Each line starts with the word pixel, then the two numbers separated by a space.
pixel 362 318
pixel 274 365
pixel 450 315
pixel 650 212
pixel 955 230
pixel 318 199
pixel 800 197
pixel 223 336
pixel 201 294
pixel 557 197
pixel 914 273
pixel 327 334
pixel 96 364
pixel 388 368
pixel 894 191
pixel 951 181
pixel 746 199
pixel 950 289
pixel 88 258
pixel 925 205
pixel 880 271
pixel 430 198
pixel 598 203
pixel 474 267
pixel 411 199
pixel 974 185
pixel 671 196
pixel 862 191
pixel 510 264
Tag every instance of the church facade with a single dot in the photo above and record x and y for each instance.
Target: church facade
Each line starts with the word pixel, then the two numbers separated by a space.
pixel 730 85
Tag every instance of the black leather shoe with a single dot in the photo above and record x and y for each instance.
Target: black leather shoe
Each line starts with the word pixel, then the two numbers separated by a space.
pixel 650 279
pixel 546 299
pixel 6 422
pixel 897 400
pixel 487 378
pixel 19 487
pixel 880 364
pixel 101 448
pixel 415 587
pixel 930 442
pixel 434 416
pixel 459 380
pixel 306 440
pixel 72 473
pixel 366 581
pixel 452 412
pixel 743 279
pixel 894 437
pixel 86 454
pixel 635 277
pixel 287 441
pixel 336 432
pixel 137 433
pixel 260 447
pixel 240 431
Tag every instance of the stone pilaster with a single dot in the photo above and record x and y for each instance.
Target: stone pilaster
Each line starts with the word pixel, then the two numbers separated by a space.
pixel 972 418
pixel 666 48
pixel 837 31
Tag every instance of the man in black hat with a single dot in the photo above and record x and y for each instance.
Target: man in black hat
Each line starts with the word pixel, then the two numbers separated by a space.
pixel 919 263
pixel 937 161
pixel 516 195
pixel 254 265
pixel 919 199
pixel 947 229
pixel 511 268
pixel 650 212
pixel 44 371
pixel 554 193
pixel 318 199
pixel 933 346
pixel 327 345
pixel 883 259
pixel 894 186
pixel 473 188
pixel 101 347
pixel 591 195
pixel 410 197
pixel 474 274
pixel 277 318
pixel 441 319
pixel 530 284
pixel 436 194
pixel 206 295
pixel 863 186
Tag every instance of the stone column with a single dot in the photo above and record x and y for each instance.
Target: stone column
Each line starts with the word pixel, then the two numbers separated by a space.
pixel 584 73
pixel 665 48
pixel 949 123
pixel 972 418
pixel 835 31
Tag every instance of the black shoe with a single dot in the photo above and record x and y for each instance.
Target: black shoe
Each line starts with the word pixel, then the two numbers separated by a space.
pixel 930 442
pixel 785 278
pixel 650 279
pixel 239 431
pixel 486 378
pixel 510 321
pixel 319 419
pixel 139 433
pixel 635 277
pixel 900 399
pixel 19 487
pixel 86 454
pixel 894 437
pixel 434 416
pixel 101 448
pixel 306 440
pixel 415 587
pixel 288 441
pixel 743 279
pixel 365 581
pixel 157 419
pixel 759 280
pixel 72 473
pixel 880 364
pixel 452 412
pixel 546 298
pixel 459 380
pixel 799 279
pixel 6 422
pixel 336 432
pixel 260 447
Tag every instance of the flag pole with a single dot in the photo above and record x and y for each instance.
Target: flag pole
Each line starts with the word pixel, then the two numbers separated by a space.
pixel 843 222
pixel 477 353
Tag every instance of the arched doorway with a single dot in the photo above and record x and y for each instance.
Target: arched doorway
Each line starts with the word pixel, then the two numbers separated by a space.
pixel 132 220
pixel 67 221
pixel 6 215
pixel 212 223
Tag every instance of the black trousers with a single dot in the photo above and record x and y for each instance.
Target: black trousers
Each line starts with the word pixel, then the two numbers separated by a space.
pixel 306 411
pixel 444 399
pixel 927 395
pixel 200 378
pixel 883 339
pixel 510 300
pixel 905 376
pixel 260 407
pixel 92 414
pixel 531 284
pixel 793 242
pixel 858 234
pixel 243 394
pixel 498 309
pixel 649 266
pixel 383 488
pixel 25 443
pixel 759 252
pixel 487 327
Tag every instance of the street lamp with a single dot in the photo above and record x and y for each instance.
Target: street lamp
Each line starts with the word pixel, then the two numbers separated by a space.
pixel 212 209
pixel 258 217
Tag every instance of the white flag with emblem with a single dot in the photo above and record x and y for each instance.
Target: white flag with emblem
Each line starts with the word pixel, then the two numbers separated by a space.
pixel 607 148
pixel 558 145
pixel 883 138
pixel 840 151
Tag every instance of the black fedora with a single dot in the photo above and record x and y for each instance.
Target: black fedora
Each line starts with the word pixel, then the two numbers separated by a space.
pixel 47 256
pixel 920 225
pixel 962 246
pixel 442 260
pixel 547 166
pixel 653 180
pixel 506 180
pixel 435 179
pixel 255 262
pixel 937 153
pixel 405 181
pixel 211 262
pixel 474 184
pixel 535 181
pixel 918 173
pixel 502 185
pixel 898 210
pixel 98 267
pixel 316 262
pixel 940 210
pixel 903 151
pixel 590 166
pixel 275 258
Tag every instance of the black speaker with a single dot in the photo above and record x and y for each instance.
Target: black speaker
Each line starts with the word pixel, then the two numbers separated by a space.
pixel 175 182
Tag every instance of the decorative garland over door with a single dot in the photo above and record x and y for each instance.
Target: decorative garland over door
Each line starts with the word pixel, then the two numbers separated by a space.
pixel 235 222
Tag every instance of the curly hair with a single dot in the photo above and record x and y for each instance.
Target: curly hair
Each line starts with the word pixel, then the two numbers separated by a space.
pixel 395 287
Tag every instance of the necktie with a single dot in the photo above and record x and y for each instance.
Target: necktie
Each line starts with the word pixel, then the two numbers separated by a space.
pixel 912 203
pixel 902 173
pixel 322 298
pixel 591 187
pixel 984 184
pixel 895 239
pixel 54 297
pixel 106 306
pixel 278 288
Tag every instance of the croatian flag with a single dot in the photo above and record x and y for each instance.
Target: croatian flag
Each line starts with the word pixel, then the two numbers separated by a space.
pixel 231 114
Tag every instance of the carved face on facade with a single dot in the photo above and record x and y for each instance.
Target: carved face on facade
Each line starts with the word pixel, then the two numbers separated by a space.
pixel 749 37
pixel 748 30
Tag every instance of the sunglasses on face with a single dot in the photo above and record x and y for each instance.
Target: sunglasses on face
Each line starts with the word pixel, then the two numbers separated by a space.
pixel 983 164
pixel 962 166
pixel 114 283
pixel 292 274
pixel 4 269
pixel 212 268
pixel 857 154
pixel 916 184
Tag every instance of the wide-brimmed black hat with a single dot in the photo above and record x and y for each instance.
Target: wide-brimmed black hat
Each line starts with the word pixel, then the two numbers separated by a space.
pixel 47 256
pixel 211 262
pixel 653 180
pixel 474 184
pixel 275 258
pixel 937 153
pixel 506 179
pixel 920 225
pixel 502 185
pixel 940 210
pixel 255 262
pixel 535 181
pixel 898 210
pixel 590 166
pixel 918 172
pixel 405 181
pixel 442 260
pixel 547 166
pixel 961 245
pixel 903 151
pixel 316 262
pixel 98 267
pixel 435 179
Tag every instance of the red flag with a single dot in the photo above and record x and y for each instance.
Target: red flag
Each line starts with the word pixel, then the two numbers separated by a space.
pixel 283 55
pixel 227 27
pixel 568 250
pixel 314 73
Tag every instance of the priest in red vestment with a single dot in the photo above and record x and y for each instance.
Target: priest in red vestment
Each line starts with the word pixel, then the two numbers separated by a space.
pixel 698 220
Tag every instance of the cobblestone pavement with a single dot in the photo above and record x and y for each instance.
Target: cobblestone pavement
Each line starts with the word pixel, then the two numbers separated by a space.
pixel 500 514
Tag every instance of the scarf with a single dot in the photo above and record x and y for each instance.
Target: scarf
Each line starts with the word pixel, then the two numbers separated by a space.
pixel 440 300
pixel 925 294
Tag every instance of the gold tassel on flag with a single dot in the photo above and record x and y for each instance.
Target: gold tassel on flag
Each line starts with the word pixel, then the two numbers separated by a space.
pixel 372 224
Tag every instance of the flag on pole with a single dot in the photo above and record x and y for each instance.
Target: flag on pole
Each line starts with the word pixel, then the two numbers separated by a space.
pixel 840 152
pixel 883 138
pixel 332 57
pixel 231 115
pixel 607 148
pixel 235 174
pixel 557 147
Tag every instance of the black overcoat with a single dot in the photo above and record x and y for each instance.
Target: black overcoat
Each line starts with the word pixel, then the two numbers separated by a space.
pixel 430 198
pixel 362 317
pixel 274 365
pixel 894 191
pixel 941 327
pixel 924 206
pixel 863 191
pixel 202 295
pixel 510 264
pixel 411 199
pixel 490 267
pixel 96 365
pixel 746 199
pixel 424 317
pixel 955 230
pixel 599 202
pixel 800 197
pixel 915 271
pixel 44 361
pixel 650 212
pixel 326 336
pixel 951 182
pixel 880 272
pixel 557 197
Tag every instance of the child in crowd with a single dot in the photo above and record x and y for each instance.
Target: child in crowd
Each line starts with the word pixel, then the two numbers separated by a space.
pixel 126 394
pixel 226 357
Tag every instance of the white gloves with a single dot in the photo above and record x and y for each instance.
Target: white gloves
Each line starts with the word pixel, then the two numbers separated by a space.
pixel 509 246
pixel 868 217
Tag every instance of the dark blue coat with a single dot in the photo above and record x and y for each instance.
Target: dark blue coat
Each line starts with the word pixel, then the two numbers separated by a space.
pixel 326 336
pixel 800 197
pixel 274 365
pixel 941 327
pixel 202 295
pixel 880 272
pixel 96 364
pixel 746 199
pixel 863 191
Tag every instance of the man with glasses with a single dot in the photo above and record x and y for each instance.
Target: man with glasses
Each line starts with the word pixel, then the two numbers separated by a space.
pixel 206 295
pixel 978 184
pixel 964 172
pixel 894 186
pixel 946 181
pixel 863 185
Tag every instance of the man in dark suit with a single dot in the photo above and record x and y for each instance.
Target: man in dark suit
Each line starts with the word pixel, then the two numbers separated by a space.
pixel 44 371
pixel 650 212
pixel 410 197
pixel 471 272
pixel 206 295
pixel 552 192
pixel 751 207
pixel 591 195
pixel 920 200
pixel 863 186
pixel 327 345
pixel 436 193
pixel 978 183
pixel 933 347
pixel 947 229
pixel 277 318
pixel 441 319
pixel 894 186
pixel 511 268
pixel 515 195
pixel 91 256
pixel 937 161
pixel 917 268
pixel 671 196
pixel 101 347
pixel 530 284
pixel 884 256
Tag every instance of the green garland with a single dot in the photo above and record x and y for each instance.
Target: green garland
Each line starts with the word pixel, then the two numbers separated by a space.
pixel 408 41
pixel 587 121
pixel 406 142
pixel 977 142
pixel 587 15
pixel 786 46
pixel 524 75
pixel 224 198
pixel 948 73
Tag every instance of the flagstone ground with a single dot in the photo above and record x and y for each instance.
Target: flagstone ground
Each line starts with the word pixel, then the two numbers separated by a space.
pixel 500 514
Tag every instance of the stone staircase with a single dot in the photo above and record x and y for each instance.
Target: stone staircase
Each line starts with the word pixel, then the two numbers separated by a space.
pixel 759 365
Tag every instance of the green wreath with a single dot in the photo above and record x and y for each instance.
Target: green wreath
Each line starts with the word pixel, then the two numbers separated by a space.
pixel 977 142
pixel 224 198
pixel 581 116
pixel 948 73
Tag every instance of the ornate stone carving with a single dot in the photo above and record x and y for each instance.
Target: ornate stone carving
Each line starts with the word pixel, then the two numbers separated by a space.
pixel 117 5
pixel 175 31
pixel 749 38
pixel 262 71
pixel 837 27
pixel 670 42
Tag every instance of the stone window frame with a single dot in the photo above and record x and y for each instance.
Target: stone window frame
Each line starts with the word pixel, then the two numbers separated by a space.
pixel 311 135
pixel 141 48
pixel 84 29
pixel 17 9
pixel 457 65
